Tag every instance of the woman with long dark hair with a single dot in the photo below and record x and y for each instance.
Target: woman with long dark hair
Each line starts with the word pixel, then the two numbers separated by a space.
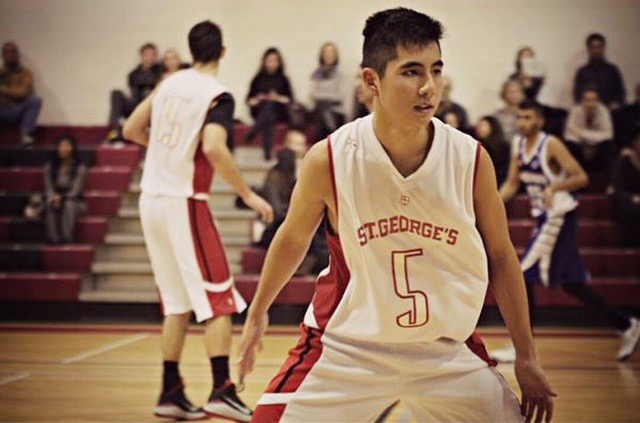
pixel 64 177
pixel 268 97
pixel 327 91
pixel 530 79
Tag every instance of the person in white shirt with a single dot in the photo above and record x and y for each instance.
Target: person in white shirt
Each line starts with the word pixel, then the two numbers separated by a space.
pixel 589 133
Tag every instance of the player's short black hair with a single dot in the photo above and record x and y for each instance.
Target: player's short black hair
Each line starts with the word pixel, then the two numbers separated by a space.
pixel 385 31
pixel 532 105
pixel 596 37
pixel 205 42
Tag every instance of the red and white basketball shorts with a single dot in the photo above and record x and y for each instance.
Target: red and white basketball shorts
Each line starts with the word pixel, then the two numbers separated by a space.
pixel 189 263
pixel 326 379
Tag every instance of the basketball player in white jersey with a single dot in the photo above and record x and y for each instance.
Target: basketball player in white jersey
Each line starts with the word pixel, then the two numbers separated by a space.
pixel 416 231
pixel 545 167
pixel 191 116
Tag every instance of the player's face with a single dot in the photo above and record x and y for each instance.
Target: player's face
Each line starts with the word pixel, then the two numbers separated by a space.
pixel 411 88
pixel 529 123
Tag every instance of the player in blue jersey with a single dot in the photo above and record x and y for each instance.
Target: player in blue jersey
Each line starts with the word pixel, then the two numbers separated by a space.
pixel 550 176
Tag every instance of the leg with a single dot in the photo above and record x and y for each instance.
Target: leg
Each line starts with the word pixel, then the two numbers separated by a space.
pixel 447 382
pixel 329 380
pixel 592 299
pixel 51 224
pixel 217 341
pixel 68 219
pixel 31 110
pixel 154 216
pixel 174 332
pixel 118 106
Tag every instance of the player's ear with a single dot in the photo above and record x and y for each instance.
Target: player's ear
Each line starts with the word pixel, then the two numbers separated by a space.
pixel 371 80
pixel 223 52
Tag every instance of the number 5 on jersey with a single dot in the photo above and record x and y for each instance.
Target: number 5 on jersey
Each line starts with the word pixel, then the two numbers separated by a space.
pixel 418 315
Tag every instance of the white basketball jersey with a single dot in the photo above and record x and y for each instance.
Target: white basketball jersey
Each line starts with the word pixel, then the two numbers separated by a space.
pixel 409 264
pixel 175 165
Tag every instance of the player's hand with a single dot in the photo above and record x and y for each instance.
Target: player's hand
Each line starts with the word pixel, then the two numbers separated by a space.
pixel 260 205
pixel 548 198
pixel 537 394
pixel 251 343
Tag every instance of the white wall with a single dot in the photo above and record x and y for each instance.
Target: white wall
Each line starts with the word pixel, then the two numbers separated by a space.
pixel 81 49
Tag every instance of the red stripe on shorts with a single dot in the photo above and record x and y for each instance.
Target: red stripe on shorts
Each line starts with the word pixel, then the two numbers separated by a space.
pixel 299 363
pixel 476 345
pixel 211 256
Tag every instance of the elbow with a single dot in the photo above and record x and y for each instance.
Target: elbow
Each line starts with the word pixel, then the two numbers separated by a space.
pixel 127 131
pixel 584 180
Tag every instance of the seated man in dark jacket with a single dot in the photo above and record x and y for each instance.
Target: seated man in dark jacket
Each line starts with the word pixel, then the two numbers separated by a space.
pixel 142 80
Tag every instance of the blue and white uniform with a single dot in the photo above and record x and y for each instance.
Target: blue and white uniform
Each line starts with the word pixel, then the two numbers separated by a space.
pixel 552 256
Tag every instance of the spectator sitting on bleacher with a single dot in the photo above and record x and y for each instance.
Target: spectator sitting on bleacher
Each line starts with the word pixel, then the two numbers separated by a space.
pixel 64 177
pixel 171 63
pixel 448 106
pixel 626 120
pixel 589 133
pixel 489 133
pixel 142 80
pixel 327 92
pixel 18 105
pixel 512 94
pixel 529 73
pixel 269 94
pixel 601 74
pixel 277 190
pixel 626 181
pixel 363 99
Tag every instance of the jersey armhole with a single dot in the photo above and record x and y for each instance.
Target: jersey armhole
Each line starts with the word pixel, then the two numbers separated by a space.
pixel 476 165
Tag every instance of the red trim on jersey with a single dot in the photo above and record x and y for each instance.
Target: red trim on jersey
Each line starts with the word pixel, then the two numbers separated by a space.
pixel 211 257
pixel 330 288
pixel 333 175
pixel 476 345
pixel 203 172
pixel 476 166
pixel 295 369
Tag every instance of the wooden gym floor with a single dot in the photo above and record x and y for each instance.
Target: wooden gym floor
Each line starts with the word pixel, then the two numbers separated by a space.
pixel 109 373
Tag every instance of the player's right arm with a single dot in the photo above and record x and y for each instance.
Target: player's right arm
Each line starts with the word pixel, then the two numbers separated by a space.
pixel 311 197
pixel 511 184
pixel 136 128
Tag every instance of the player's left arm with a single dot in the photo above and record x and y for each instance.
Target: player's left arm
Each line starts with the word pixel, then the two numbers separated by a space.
pixel 508 287
pixel 576 176
pixel 136 127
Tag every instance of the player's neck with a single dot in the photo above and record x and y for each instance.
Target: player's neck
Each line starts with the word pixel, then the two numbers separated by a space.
pixel 532 139
pixel 407 147
pixel 209 67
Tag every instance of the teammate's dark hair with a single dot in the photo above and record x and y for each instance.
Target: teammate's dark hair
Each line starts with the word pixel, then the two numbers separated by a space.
pixel 205 42
pixel 385 31
pixel 531 105
pixel 596 37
